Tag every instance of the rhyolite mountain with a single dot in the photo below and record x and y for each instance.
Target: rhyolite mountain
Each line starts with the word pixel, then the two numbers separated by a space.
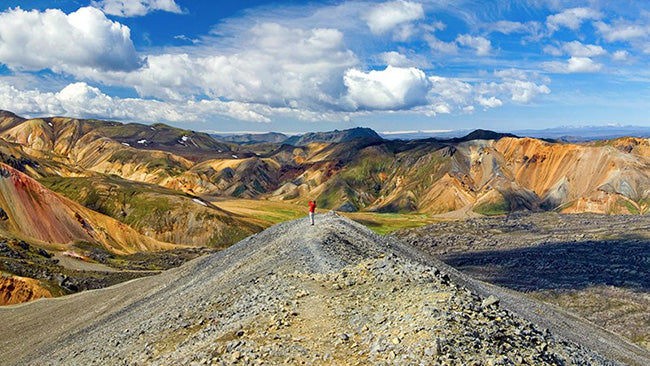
pixel 253 138
pixel 483 172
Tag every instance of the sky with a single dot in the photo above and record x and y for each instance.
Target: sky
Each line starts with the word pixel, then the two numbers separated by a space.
pixel 296 66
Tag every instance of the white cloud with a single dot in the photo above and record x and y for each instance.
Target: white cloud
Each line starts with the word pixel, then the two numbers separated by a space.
pixel 519 86
pixel 577 49
pixel 390 89
pixel 480 44
pixel 440 46
pixel 84 101
pixel 491 102
pixel 393 58
pixel 131 8
pixel 622 31
pixel 275 65
pixel 386 16
pixel 450 90
pixel 34 40
pixel 620 55
pixel 573 65
pixel 571 18
pixel 552 50
pixel 522 91
pixel 534 29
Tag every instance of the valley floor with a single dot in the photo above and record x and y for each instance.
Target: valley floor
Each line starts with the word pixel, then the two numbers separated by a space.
pixel 597 266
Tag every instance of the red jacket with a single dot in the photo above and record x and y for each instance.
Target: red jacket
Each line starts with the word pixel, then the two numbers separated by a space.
pixel 312 206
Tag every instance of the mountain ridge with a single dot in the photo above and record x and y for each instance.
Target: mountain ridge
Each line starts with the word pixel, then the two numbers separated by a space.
pixel 295 266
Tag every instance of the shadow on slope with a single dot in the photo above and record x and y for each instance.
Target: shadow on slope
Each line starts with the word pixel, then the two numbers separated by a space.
pixel 564 265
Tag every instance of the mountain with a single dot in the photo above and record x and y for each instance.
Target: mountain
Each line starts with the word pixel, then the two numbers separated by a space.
pixel 483 172
pixel 334 136
pixel 253 138
pixel 302 139
pixel 15 289
pixel 587 133
pixel 154 211
pixel 31 212
pixel 482 135
pixel 300 294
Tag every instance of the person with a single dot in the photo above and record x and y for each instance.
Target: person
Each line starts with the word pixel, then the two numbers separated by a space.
pixel 312 209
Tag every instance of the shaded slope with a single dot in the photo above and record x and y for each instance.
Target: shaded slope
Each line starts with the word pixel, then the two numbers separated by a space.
pixel 334 136
pixel 261 297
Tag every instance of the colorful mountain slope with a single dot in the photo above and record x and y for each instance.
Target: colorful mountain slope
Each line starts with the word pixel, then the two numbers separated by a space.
pixel 34 213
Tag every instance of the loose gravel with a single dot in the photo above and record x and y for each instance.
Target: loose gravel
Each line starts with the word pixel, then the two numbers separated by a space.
pixel 334 293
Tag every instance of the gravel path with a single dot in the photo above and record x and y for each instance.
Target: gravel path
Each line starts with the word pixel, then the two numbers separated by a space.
pixel 334 293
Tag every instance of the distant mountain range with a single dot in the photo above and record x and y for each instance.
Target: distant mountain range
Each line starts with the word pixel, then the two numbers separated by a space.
pixel 566 134
pixel 302 139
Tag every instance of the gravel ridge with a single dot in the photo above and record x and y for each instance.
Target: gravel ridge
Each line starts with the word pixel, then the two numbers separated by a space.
pixel 333 293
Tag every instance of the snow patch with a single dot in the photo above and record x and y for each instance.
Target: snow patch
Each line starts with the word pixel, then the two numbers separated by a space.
pixel 125 144
pixel 235 156
pixel 184 138
pixel 199 202
pixel 143 141
pixel 57 172
pixel 50 123
pixel 29 138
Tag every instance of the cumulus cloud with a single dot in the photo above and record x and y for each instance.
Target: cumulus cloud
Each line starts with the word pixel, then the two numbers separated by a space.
pixel 393 58
pixel 386 16
pixel 390 89
pixel 491 102
pixel 275 65
pixel 577 49
pixel 440 46
pixel 34 40
pixel 518 86
pixel 132 8
pixel 532 28
pixel 552 50
pixel 573 65
pixel 481 45
pixel 620 55
pixel 622 31
pixel 571 18
pixel 84 101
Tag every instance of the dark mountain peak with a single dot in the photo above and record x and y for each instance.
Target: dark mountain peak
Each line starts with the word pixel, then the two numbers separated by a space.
pixel 480 134
pixel 335 136
pixel 253 138
pixel 7 114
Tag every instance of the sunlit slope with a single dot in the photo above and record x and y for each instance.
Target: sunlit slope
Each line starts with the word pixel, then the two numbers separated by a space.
pixel 155 211
pixel 34 213
pixel 482 173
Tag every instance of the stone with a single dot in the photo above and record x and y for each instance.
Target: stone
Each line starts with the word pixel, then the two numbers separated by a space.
pixel 491 300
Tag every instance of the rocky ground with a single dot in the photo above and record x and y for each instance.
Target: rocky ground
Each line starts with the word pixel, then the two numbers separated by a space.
pixel 334 293
pixel 61 274
pixel 595 265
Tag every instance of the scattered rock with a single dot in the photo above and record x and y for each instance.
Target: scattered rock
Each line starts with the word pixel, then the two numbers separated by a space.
pixel 491 300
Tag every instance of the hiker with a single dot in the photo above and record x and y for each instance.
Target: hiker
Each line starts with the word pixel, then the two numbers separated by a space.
pixel 312 209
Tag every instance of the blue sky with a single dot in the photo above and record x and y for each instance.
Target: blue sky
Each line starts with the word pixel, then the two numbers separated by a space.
pixel 293 66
